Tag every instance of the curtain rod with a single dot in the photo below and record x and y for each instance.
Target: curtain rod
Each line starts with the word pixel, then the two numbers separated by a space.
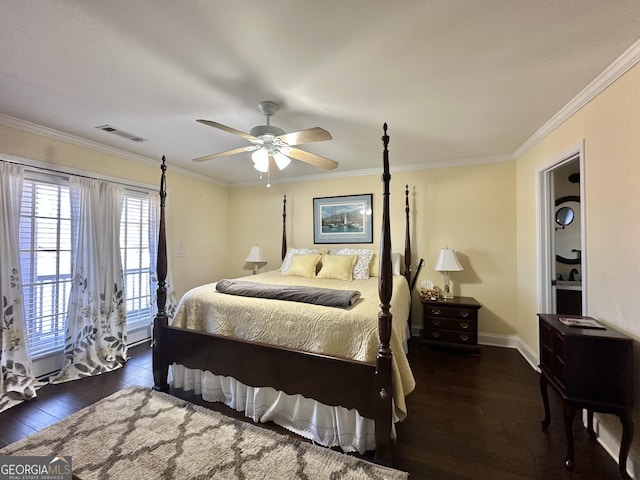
pixel 26 163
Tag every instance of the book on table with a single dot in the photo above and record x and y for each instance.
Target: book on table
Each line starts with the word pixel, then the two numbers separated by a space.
pixel 581 322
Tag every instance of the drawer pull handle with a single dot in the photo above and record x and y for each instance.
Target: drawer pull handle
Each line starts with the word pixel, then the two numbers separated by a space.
pixel 464 338
pixel 464 324
pixel 464 314
pixel 435 334
pixel 435 322
pixel 435 312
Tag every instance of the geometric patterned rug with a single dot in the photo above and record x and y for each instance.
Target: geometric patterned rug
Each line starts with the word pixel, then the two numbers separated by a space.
pixel 139 433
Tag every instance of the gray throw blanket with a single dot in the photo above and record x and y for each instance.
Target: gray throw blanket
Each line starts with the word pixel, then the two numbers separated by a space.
pixel 294 293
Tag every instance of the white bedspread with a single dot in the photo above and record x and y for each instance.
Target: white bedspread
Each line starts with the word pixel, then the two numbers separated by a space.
pixel 348 333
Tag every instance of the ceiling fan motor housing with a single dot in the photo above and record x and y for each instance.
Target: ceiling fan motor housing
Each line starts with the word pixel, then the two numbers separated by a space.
pixel 266 130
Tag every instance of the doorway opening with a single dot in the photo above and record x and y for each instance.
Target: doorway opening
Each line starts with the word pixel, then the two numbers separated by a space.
pixel 562 225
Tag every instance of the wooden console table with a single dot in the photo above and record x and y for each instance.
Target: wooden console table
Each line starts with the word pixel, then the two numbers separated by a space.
pixel 590 369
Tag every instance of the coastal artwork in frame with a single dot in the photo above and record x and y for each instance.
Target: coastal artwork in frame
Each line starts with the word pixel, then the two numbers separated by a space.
pixel 343 219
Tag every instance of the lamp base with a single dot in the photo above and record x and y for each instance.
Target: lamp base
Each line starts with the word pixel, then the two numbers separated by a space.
pixel 447 291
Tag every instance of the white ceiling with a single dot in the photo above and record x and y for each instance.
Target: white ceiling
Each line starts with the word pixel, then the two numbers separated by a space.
pixel 456 80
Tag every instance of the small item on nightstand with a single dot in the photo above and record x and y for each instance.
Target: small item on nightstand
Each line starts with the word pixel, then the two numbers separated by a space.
pixel 429 291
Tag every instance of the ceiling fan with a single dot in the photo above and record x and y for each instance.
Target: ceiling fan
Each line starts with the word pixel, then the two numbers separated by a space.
pixel 270 142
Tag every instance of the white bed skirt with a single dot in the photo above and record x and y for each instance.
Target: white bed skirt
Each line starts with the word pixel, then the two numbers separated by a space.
pixel 323 424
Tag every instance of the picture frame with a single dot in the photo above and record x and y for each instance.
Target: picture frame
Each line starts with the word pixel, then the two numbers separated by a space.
pixel 343 219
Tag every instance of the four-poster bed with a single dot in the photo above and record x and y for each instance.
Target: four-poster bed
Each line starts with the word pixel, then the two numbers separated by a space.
pixel 373 387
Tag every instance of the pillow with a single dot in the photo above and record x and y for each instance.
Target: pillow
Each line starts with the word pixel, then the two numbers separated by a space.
pixel 338 267
pixel 361 268
pixel 303 265
pixel 396 265
pixel 295 251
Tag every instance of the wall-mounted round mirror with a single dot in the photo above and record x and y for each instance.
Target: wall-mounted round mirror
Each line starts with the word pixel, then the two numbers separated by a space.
pixel 564 216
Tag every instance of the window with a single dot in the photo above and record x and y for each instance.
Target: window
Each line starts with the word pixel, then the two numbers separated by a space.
pixel 46 260
pixel 134 248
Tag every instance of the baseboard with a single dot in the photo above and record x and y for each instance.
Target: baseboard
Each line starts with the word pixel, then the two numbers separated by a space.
pixel 510 341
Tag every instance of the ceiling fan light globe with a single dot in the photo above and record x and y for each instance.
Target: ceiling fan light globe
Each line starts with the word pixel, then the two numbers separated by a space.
pixel 261 159
pixel 281 160
pixel 261 167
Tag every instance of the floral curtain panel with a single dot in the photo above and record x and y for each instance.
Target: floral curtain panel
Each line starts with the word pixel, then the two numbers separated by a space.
pixel 16 381
pixel 96 325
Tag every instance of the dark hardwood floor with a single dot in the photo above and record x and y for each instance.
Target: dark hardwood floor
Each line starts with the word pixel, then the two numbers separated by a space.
pixel 471 416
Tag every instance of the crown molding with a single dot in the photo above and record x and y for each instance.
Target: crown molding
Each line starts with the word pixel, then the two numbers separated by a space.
pixel 377 171
pixel 612 73
pixel 30 127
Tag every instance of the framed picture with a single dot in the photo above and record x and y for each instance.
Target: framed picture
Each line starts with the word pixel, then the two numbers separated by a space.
pixel 344 219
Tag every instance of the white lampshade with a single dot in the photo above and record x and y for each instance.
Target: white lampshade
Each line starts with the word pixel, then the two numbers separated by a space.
pixel 256 255
pixel 255 259
pixel 447 261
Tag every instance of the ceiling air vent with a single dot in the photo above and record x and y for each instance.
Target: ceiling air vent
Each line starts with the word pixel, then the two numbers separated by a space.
pixel 120 133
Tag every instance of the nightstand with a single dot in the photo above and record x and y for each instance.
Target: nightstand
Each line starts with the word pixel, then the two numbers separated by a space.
pixel 451 322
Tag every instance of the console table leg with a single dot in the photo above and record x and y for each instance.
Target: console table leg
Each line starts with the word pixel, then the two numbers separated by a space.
pixel 545 400
pixel 569 414
pixel 625 443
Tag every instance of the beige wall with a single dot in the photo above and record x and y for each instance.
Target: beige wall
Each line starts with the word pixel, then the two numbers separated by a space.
pixel 190 201
pixel 471 209
pixel 609 126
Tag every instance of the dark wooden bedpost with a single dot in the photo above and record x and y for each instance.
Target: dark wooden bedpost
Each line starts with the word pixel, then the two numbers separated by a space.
pixel 160 364
pixel 284 227
pixel 384 357
pixel 407 238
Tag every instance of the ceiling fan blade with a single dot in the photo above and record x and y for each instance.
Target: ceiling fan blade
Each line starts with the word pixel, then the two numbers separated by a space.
pixel 309 135
pixel 227 129
pixel 250 148
pixel 311 158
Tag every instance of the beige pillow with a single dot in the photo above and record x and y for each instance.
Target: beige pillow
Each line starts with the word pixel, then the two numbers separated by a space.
pixel 338 267
pixel 361 267
pixel 298 251
pixel 303 265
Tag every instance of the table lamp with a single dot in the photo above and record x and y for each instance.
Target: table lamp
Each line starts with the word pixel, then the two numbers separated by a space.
pixel 447 262
pixel 255 260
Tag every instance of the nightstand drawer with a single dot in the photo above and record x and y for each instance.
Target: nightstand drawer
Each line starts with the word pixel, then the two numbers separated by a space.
pixel 450 312
pixel 464 325
pixel 469 338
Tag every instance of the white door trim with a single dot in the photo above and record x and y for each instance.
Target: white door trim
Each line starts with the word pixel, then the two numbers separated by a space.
pixel 545 228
